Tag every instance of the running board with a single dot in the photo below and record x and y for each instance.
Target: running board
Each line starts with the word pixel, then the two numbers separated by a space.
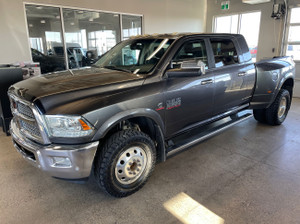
pixel 188 142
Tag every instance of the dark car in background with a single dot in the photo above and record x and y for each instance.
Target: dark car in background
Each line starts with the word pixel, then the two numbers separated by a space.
pixel 48 63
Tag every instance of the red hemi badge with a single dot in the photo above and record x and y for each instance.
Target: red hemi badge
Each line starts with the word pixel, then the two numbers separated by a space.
pixel 173 103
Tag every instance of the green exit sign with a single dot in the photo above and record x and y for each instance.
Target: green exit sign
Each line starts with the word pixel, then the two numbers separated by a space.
pixel 225 5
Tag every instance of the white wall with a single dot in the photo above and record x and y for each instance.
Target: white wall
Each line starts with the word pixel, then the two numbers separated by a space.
pixel 270 35
pixel 160 16
pixel 270 29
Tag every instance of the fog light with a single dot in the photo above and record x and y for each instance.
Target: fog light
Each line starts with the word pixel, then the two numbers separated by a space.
pixel 61 162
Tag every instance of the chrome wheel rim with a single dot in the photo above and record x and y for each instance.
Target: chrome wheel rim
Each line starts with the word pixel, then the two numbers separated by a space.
pixel 131 165
pixel 282 107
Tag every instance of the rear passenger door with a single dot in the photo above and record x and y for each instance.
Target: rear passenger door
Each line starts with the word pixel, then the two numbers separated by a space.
pixel 234 79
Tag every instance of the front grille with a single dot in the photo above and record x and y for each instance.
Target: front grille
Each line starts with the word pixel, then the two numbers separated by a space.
pixel 30 127
pixel 25 118
pixel 24 110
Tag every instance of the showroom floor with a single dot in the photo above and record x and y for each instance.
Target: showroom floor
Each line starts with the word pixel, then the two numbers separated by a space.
pixel 248 174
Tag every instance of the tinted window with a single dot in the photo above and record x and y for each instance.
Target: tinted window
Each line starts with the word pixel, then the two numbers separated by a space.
pixel 224 52
pixel 192 50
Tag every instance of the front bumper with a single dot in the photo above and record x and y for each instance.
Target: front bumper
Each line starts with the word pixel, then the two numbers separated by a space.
pixel 80 157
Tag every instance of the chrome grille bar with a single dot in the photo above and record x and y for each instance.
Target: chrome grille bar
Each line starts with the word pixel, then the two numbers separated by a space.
pixel 24 110
pixel 29 120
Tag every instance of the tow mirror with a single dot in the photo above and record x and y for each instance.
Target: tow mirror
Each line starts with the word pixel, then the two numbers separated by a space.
pixel 189 68
pixel 194 64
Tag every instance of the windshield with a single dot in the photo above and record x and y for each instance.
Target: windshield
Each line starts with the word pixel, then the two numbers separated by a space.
pixel 136 55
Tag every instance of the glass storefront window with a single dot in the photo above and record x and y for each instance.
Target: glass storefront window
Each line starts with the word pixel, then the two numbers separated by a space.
pixel 251 33
pixel 293 40
pixel 294 34
pixel 226 24
pixel 44 28
pixel 294 51
pixel 89 35
pixel 295 15
pixel 230 24
pixel 131 26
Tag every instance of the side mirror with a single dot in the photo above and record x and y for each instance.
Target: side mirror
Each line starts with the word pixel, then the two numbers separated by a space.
pixel 189 68
pixel 194 64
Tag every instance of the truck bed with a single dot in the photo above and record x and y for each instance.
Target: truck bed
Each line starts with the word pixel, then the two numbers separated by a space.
pixel 269 78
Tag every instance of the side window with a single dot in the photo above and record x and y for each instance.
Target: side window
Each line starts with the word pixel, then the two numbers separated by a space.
pixel 224 52
pixel 192 50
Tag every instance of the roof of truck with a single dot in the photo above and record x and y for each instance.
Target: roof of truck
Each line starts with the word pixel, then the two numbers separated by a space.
pixel 178 35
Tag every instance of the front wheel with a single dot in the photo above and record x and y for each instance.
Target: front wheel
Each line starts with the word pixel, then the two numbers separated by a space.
pixel 125 162
pixel 279 109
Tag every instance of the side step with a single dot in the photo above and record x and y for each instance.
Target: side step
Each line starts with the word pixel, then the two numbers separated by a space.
pixel 190 139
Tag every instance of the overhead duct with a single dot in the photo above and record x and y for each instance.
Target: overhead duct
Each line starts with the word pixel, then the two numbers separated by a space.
pixel 252 2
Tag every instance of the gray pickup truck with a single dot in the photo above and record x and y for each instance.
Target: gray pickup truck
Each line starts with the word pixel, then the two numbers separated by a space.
pixel 145 100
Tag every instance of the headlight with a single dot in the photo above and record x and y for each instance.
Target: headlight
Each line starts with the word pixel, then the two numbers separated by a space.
pixel 67 126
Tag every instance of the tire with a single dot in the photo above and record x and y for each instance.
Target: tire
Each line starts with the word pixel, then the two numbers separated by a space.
pixel 260 115
pixel 125 163
pixel 279 109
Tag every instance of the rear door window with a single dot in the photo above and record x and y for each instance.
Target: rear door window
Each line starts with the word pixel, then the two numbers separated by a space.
pixel 225 52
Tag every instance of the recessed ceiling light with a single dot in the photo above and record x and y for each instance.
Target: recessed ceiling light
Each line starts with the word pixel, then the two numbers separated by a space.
pixel 91 19
pixel 116 15
pixel 39 7
pixel 43 21
pixel 72 24
pixel 30 25
pixel 57 17
pixel 252 2
pixel 80 12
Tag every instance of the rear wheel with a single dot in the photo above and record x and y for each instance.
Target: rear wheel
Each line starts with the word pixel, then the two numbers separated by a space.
pixel 125 162
pixel 279 109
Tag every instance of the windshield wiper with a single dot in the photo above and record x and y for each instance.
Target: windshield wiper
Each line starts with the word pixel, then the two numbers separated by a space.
pixel 116 68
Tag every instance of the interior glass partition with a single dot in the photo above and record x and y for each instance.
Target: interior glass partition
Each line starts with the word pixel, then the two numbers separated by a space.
pixel 131 26
pixel 89 35
pixel 45 33
pixel 65 38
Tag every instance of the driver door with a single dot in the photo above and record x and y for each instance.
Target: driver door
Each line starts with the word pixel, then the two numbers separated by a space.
pixel 189 99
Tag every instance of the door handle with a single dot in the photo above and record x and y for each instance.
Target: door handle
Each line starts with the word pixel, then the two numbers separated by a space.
pixel 205 82
pixel 242 74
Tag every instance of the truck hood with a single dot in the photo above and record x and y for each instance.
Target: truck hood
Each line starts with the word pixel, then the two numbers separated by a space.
pixel 74 81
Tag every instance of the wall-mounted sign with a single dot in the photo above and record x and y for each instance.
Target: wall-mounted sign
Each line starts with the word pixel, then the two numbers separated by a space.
pixel 225 5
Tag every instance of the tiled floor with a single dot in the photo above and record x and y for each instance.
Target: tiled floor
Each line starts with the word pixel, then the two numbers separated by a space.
pixel 248 174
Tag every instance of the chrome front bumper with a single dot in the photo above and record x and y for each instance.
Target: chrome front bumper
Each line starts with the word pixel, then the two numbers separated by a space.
pixel 80 157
